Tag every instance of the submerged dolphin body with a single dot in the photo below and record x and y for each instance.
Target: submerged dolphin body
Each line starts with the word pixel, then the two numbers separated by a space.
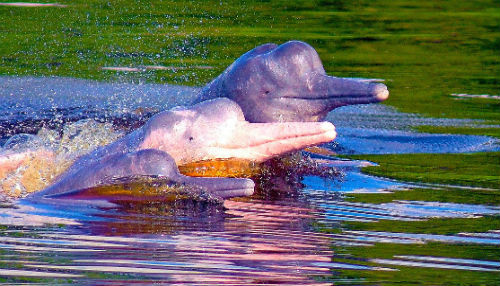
pixel 214 129
pixel 281 83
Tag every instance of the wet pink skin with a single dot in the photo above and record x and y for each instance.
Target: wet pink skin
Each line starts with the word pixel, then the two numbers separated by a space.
pixel 282 83
pixel 215 129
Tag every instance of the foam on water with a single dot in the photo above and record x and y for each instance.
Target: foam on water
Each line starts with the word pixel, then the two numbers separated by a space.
pixel 42 157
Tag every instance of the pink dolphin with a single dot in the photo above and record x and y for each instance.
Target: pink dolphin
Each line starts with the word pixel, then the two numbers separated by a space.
pixel 213 129
pixel 275 83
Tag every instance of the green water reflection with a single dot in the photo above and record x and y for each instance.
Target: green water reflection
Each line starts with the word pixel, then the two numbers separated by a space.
pixel 427 50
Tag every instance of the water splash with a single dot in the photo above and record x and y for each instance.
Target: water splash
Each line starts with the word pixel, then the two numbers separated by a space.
pixel 34 161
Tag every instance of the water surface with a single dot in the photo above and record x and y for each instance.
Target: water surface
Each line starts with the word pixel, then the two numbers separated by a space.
pixel 306 233
pixel 272 238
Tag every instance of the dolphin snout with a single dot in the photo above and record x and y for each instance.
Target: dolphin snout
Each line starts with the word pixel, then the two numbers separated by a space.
pixel 224 188
pixel 379 91
pixel 244 186
pixel 329 130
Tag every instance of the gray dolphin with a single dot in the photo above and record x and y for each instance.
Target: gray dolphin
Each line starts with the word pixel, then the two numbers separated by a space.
pixel 281 83
pixel 214 129
pixel 147 162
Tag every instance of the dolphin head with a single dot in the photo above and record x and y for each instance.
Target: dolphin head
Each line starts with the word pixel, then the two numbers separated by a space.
pixel 135 177
pixel 288 83
pixel 217 129
pixel 153 161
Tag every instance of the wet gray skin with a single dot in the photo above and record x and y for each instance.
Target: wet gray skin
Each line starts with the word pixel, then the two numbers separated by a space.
pixel 141 163
pixel 281 83
pixel 214 129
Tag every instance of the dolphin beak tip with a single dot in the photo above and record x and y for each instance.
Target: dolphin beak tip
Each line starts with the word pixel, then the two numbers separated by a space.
pixel 249 192
pixel 332 135
pixel 329 130
pixel 249 187
pixel 381 92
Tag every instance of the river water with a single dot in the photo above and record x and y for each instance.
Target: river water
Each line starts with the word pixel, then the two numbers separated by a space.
pixel 273 237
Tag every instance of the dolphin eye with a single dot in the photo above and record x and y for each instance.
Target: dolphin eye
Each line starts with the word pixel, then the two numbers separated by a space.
pixel 266 92
pixel 191 138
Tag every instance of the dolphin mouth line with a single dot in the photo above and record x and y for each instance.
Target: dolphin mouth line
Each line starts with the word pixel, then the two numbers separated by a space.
pixel 233 189
pixel 227 192
pixel 281 140
pixel 332 97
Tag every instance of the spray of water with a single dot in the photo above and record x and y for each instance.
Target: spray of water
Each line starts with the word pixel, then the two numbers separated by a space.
pixel 32 162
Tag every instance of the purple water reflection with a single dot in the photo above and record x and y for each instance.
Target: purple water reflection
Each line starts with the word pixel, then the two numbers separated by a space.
pixel 251 242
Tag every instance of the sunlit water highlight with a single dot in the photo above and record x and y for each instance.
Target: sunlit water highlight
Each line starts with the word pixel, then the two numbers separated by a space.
pixel 248 241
